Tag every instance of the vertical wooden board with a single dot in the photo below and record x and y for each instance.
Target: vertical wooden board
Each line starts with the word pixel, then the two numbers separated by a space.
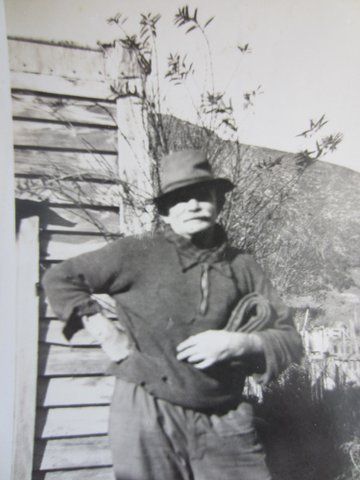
pixel 57 360
pixel 26 344
pixel 8 263
pixel 54 392
pixel 71 421
pixel 60 109
pixel 66 164
pixel 134 165
pixel 64 136
pixel 100 473
pixel 72 453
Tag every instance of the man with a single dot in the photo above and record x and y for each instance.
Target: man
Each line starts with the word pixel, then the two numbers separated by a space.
pixel 177 412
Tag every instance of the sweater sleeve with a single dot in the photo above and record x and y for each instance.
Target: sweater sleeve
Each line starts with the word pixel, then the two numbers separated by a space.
pixel 281 342
pixel 69 285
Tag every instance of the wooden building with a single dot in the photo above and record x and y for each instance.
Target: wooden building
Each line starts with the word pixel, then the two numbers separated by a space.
pixel 75 136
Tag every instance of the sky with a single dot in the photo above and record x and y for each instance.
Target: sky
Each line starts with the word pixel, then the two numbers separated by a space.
pixel 304 54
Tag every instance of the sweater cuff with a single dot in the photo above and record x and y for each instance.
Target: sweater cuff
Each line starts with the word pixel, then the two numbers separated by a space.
pixel 88 308
pixel 273 367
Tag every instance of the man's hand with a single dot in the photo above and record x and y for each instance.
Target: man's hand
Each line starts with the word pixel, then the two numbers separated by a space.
pixel 114 342
pixel 213 346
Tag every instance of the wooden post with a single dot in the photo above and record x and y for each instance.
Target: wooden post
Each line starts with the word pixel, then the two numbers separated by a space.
pixel 26 347
pixel 124 77
pixel 134 167
pixel 7 261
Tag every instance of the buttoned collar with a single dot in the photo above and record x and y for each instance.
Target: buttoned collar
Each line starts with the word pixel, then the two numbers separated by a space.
pixel 191 255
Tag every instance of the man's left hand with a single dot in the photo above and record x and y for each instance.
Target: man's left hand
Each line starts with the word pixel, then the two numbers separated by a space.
pixel 213 346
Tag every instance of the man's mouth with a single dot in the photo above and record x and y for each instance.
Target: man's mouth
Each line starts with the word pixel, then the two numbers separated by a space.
pixel 202 219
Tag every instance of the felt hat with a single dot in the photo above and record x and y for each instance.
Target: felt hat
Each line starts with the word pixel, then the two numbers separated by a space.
pixel 186 168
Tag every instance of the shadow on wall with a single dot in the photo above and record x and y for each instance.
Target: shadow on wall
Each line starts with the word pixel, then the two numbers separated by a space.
pixel 307 438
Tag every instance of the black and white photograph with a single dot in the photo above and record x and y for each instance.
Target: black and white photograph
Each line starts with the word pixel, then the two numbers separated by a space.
pixel 180 240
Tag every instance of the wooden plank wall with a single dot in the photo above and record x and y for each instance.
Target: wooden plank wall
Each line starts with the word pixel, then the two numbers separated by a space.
pixel 66 155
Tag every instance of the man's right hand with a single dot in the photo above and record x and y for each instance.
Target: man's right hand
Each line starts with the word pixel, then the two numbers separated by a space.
pixel 114 342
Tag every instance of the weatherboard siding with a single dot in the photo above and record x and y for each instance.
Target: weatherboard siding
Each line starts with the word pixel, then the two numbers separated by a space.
pixel 63 391
pixel 88 165
pixel 69 453
pixel 56 108
pixel 66 154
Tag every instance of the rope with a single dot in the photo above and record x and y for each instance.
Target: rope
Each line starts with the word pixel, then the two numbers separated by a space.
pixel 252 313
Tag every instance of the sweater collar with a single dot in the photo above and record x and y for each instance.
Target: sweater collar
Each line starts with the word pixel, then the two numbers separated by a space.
pixel 191 255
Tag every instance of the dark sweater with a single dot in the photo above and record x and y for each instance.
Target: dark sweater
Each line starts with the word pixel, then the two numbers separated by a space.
pixel 158 285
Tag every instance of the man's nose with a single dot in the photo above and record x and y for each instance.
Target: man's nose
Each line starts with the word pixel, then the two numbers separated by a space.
pixel 193 204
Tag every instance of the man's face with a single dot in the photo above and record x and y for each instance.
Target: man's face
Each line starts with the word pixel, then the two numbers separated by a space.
pixel 192 210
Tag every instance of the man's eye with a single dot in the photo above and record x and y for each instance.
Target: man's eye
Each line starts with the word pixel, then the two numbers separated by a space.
pixel 200 194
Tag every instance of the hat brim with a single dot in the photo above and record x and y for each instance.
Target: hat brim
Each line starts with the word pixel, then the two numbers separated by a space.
pixel 222 184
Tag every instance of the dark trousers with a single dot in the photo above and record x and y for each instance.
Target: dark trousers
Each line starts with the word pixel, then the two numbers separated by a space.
pixel 152 439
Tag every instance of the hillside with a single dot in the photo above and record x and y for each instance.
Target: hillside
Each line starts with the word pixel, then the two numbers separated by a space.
pixel 319 235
